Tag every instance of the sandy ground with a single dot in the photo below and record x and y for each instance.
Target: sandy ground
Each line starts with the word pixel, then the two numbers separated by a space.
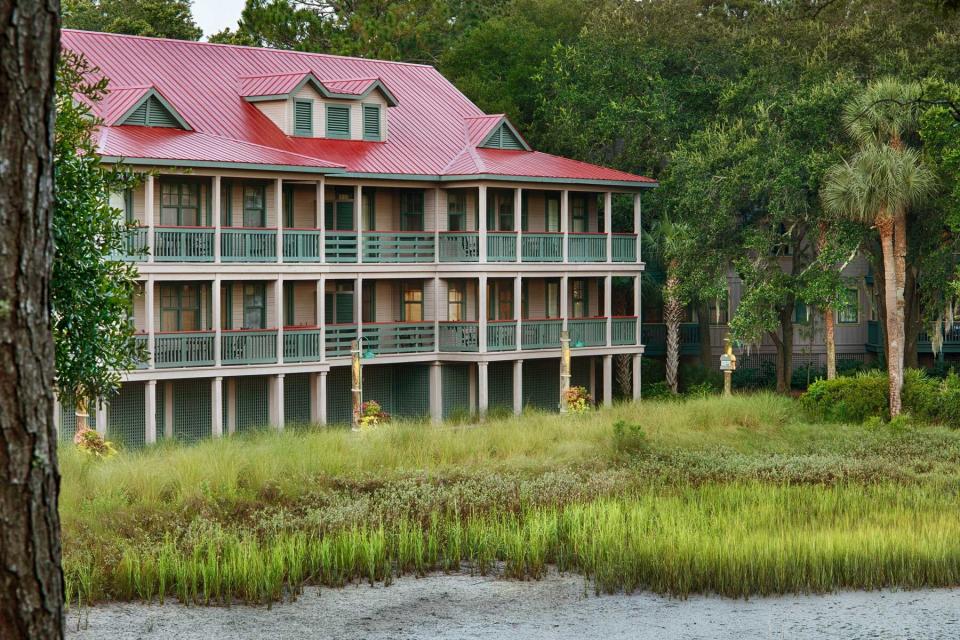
pixel 460 607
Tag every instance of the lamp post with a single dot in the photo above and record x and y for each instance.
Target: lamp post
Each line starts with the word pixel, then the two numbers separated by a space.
pixel 564 369
pixel 356 380
pixel 728 364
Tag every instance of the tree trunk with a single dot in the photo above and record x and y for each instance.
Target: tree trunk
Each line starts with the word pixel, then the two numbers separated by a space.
pixel 706 348
pixel 911 324
pixel 830 338
pixel 894 307
pixel 672 314
pixel 31 581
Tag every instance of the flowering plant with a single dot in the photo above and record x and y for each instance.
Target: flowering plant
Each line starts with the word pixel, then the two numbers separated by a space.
pixel 578 399
pixel 372 414
pixel 92 443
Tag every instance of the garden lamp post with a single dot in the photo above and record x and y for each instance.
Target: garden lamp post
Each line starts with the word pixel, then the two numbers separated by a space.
pixel 564 369
pixel 728 364
pixel 356 380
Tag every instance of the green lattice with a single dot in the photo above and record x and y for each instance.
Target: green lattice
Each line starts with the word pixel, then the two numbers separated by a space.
pixel 253 403
pixel 500 386
pixel 541 384
pixel 339 402
pixel 68 421
pixel 126 416
pixel 455 385
pixel 296 399
pixel 412 390
pixel 580 372
pixel 161 412
pixel 192 410
pixel 378 384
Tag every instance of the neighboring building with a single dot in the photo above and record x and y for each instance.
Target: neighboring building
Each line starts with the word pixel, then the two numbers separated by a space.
pixel 299 201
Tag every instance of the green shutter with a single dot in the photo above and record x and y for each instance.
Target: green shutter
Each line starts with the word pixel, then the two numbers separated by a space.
pixel 152 113
pixel 344 216
pixel 503 138
pixel 303 117
pixel 338 121
pixel 371 122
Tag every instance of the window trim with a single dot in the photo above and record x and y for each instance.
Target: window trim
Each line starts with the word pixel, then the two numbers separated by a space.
pixel 262 209
pixel 179 207
pixel 262 286
pixel 855 308
pixel 457 286
pixel 412 286
pixel 178 289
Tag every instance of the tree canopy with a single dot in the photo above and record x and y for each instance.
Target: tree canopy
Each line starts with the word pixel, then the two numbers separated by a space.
pixel 155 18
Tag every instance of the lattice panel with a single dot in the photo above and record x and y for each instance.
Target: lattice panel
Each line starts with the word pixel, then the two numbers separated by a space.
pixel 378 384
pixel 126 416
pixel 68 421
pixel 192 410
pixel 580 372
pixel 253 403
pixel 412 390
pixel 500 385
pixel 455 384
pixel 161 412
pixel 541 383
pixel 339 403
pixel 296 399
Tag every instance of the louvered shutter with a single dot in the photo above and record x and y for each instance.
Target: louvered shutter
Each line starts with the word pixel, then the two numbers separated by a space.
pixel 371 122
pixel 338 121
pixel 303 118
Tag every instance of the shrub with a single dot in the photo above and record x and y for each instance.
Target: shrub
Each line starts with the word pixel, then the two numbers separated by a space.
pixel 701 390
pixel 652 371
pixel 372 414
pixel 848 367
pixel 93 444
pixel 629 439
pixel 921 395
pixel 949 408
pixel 578 399
pixel 848 399
pixel 697 376
pixel 805 375
pixel 656 391
pixel 764 377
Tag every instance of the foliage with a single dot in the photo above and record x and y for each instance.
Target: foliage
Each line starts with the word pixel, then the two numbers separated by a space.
pixel 93 444
pixel 699 376
pixel 578 400
pixel 154 18
pixel 92 290
pixel 629 439
pixel 372 415
pixel 657 391
pixel 754 378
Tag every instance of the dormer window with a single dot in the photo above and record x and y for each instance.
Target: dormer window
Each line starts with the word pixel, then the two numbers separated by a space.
pixel 371 122
pixel 303 117
pixel 142 107
pixel 338 121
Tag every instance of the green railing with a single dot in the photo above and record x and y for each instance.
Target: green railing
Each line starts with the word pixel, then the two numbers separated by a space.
pixel 624 330
pixel 501 335
pixel 587 332
pixel 143 341
pixel 248 346
pixel 302 344
pixel 183 349
pixel 624 247
pixel 540 334
pixel 248 245
pixel 458 336
pixel 134 245
pixel 398 337
pixel 338 338
pixel 542 247
pixel 459 246
pixel 340 246
pixel 587 247
pixel 501 246
pixel 183 244
pixel 301 245
pixel 397 246
pixel 654 337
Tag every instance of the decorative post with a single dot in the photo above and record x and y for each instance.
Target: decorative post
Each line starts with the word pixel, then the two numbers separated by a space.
pixel 728 364
pixel 356 386
pixel 564 369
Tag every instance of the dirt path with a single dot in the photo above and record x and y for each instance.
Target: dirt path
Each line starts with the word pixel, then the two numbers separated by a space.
pixel 461 607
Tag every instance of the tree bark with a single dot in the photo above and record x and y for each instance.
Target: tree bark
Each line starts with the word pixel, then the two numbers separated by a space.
pixel 784 345
pixel 893 294
pixel 911 322
pixel 830 338
pixel 31 581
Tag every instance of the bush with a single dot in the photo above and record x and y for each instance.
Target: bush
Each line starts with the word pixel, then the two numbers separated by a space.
pixel 656 391
pixel 921 395
pixel 848 399
pixel 697 376
pixel 806 375
pixel 629 439
pixel 764 377
pixel 652 371
pixel 949 412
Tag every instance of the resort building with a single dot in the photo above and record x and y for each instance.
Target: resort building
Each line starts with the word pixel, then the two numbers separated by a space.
pixel 295 202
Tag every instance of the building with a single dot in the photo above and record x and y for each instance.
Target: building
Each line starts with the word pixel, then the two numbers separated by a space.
pixel 297 202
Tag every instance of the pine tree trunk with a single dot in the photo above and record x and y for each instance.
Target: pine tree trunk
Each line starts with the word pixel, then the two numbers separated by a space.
pixel 894 308
pixel 31 581
pixel 829 336
pixel 672 314
pixel 784 345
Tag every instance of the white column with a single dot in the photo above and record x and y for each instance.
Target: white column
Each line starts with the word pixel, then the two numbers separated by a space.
pixel 321 319
pixel 437 312
pixel 517 216
pixel 436 392
pixel 216 410
pixel 150 407
pixel 436 226
pixel 151 329
pixel 216 321
pixel 321 219
pixel 358 307
pixel 56 414
pixel 607 380
pixel 482 221
pixel 517 387
pixel 637 301
pixel 637 224
pixel 564 299
pixel 278 205
pixel 149 215
pixel 608 306
pixel 564 223
pixel 278 303
pixel 482 313
pixel 276 402
pixel 101 416
pixel 636 377
pixel 517 307
pixel 482 389
pixel 215 213
pixel 318 398
pixel 168 410
pixel 358 222
pixel 608 223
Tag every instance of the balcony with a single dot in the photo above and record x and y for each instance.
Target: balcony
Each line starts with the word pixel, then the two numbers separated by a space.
pixel 459 246
pixel 541 247
pixel 502 246
pixel 302 344
pixel 458 337
pixel 397 246
pixel 183 244
pixel 301 245
pixel 340 246
pixel 143 341
pixel 398 337
pixel 624 247
pixel 248 346
pixel 248 244
pixel 654 338
pixel 587 332
pixel 183 349
pixel 501 335
pixel 587 247
pixel 540 334
pixel 134 245
pixel 624 330
pixel 339 337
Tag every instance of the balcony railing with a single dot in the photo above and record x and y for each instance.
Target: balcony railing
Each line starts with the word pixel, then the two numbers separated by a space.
pixel 183 244
pixel 143 341
pixel 501 335
pixel 587 247
pixel 654 336
pixel 183 349
pixel 339 337
pixel 248 346
pixel 458 337
pixel 624 330
pixel 398 337
pixel 301 245
pixel 587 332
pixel 459 246
pixel 502 246
pixel 248 244
pixel 397 246
pixel 540 334
pixel 302 344
pixel 541 247
pixel 624 247
pixel 341 246
pixel 134 245
pixel 951 340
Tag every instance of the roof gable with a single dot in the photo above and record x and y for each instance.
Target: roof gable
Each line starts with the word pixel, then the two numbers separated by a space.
pixel 145 107
pixel 495 132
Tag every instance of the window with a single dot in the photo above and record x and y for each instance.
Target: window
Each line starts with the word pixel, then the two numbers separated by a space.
pixel 553 212
pixel 371 122
pixel 255 305
pixel 578 291
pixel 412 302
pixel 180 204
pixel 849 312
pixel 254 205
pixel 801 312
pixel 499 300
pixel 456 301
pixel 411 210
pixel 303 118
pixel 179 307
pixel 552 294
pixel 338 121
pixel 456 211
pixel 524 210
pixel 579 210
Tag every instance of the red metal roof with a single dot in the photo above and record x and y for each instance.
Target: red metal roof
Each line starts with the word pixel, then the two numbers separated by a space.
pixel 429 131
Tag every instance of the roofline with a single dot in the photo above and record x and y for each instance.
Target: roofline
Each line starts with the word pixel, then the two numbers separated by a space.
pixel 209 164
pixel 316 83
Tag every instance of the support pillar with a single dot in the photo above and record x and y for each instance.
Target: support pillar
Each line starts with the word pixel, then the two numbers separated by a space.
pixel 358 308
pixel 517 218
pixel 101 417
pixel 56 414
pixel 564 297
pixel 358 223
pixel 149 215
pixel 276 401
pixel 320 221
pixel 215 214
pixel 216 411
pixel 151 330
pixel 482 221
pixel 608 307
pixel 518 307
pixel 637 226
pixel 279 306
pixel 482 314
pixel 636 307
pixel 564 225
pixel 636 377
pixel 217 321
pixel 278 207
pixel 318 398
pixel 517 387
pixel 150 406
pixel 482 389
pixel 607 380
pixel 321 319
pixel 436 392
pixel 608 223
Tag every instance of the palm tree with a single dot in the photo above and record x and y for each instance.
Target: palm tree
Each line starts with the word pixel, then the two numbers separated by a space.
pixel 877 187
pixel 666 240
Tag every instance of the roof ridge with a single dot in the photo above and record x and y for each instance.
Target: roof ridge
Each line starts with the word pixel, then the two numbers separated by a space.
pixel 274 75
pixel 486 115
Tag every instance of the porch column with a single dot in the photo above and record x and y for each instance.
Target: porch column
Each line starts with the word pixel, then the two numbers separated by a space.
pixel 278 205
pixel 321 318
pixel 278 303
pixel 608 223
pixel 636 377
pixel 564 226
pixel 437 223
pixel 482 313
pixel 517 216
pixel 318 398
pixel 358 307
pixel 276 401
pixel 358 222
pixel 482 221
pixel 608 306
pixel 607 380
pixel 148 214
pixel 517 387
pixel 215 212
pixel 100 419
pixel 217 320
pixel 150 407
pixel 320 221
pixel 517 306
pixel 637 301
pixel 482 389
pixel 436 392
pixel 636 224
pixel 151 329
pixel 564 297
pixel 216 411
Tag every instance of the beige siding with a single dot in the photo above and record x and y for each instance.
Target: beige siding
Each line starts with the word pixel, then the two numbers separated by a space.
pixel 140 311
pixel 304 207
pixel 304 303
pixel 278 111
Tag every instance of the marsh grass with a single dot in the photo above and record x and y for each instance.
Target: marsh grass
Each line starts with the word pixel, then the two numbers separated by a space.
pixel 734 497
